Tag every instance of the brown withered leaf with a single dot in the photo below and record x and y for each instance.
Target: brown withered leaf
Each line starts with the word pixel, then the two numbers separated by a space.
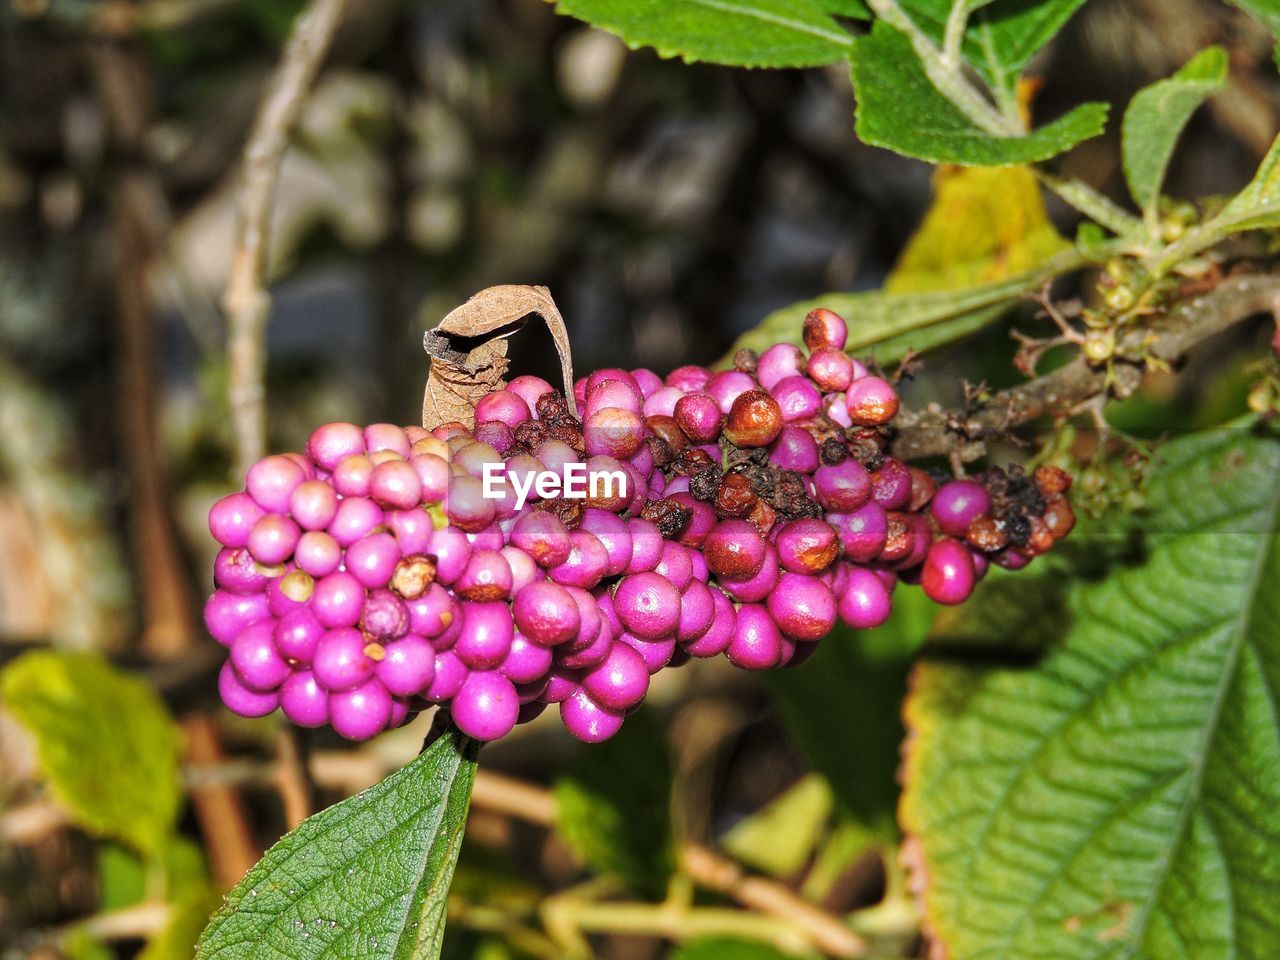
pixel 468 350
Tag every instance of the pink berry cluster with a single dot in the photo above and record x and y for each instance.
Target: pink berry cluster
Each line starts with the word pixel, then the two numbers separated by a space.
pixel 375 573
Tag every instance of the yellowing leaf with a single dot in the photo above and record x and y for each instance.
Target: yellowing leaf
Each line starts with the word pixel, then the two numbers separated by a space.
pixel 106 742
pixel 985 224
pixel 781 837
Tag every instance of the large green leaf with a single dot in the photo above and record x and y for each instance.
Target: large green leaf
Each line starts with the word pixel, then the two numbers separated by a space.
pixel 106 743
pixel 891 323
pixel 613 806
pixel 368 877
pixel 900 109
pixel 1118 798
pixel 742 33
pixel 1156 116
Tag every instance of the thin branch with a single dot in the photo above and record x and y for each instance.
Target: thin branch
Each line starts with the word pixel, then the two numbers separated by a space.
pixel 1091 203
pixel 246 301
pixel 713 871
pixel 936 432
pixel 953 38
pixel 293 780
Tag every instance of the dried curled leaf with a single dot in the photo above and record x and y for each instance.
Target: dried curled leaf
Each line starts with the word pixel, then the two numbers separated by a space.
pixel 468 350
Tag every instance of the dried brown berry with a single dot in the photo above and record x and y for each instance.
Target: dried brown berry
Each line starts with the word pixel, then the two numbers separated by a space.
pixel 670 517
pixel 666 427
pixel 762 517
pixel 413 575
pixel 922 489
pixel 1040 539
pixel 746 360
pixel 734 496
pixel 1059 518
pixel 833 451
pixel 1052 480
pixel 704 484
pixel 986 534
pixel 899 540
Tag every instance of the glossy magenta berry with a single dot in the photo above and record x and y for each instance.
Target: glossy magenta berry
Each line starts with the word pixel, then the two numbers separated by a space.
pixel 486 706
pixel 648 605
pixel 948 574
pixel 956 504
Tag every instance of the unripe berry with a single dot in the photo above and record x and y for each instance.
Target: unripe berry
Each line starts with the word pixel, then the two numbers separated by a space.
pixel 824 328
pixel 271 482
pixel 233 517
pixel 727 385
pixel 504 406
pixel 872 401
pixel 798 399
pixel 831 369
pixel 755 420
pixel 802 606
pixel 699 417
pixel 735 550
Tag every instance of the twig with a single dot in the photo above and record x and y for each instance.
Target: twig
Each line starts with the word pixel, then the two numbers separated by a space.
pixel 124 85
pixel 716 872
pixel 246 301
pixel 293 781
pixel 219 808
pixel 138 922
pixel 933 432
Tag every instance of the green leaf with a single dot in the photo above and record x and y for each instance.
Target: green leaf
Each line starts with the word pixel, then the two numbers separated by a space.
pixel 855 682
pixel 901 110
pixel 106 743
pixel 724 948
pixel 1001 37
pixel 1257 206
pixel 613 808
pixel 780 837
pixel 1156 116
pixel 740 33
pixel 1117 799
pixel 1268 11
pixel 79 944
pixel 368 877
pixel 894 322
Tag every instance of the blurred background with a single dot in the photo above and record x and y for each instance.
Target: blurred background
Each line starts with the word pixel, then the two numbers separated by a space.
pixel 448 146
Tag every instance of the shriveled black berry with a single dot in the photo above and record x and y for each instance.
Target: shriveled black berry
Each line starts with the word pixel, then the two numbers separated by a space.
pixel 1017 529
pixel 668 515
pixel 746 360
pixel 833 451
pixel 704 484
pixel 661 452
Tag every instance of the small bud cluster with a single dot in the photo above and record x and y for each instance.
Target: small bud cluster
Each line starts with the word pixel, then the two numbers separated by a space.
pixel 376 573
